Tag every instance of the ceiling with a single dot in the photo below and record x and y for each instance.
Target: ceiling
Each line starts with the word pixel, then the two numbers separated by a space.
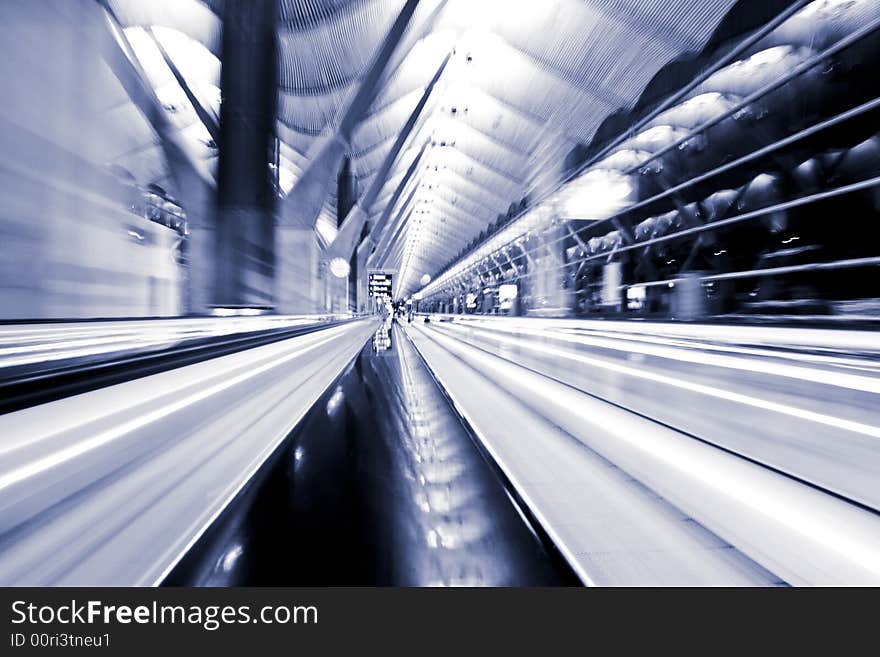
pixel 526 82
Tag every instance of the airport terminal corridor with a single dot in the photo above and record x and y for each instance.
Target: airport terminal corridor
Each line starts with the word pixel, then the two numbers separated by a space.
pixel 440 293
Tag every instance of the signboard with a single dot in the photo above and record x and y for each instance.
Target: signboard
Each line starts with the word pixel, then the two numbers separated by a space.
pixel 380 284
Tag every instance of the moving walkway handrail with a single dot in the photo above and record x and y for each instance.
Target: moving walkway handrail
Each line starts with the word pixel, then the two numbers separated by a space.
pixel 20 389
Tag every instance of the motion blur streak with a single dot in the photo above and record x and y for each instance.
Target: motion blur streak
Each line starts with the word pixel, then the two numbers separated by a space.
pixel 277 357
pixel 161 456
pixel 738 413
pixel 796 531
pixel 23 344
pixel 858 427
pixel 852 381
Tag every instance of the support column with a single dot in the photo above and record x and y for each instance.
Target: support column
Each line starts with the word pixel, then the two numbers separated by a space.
pixel 688 297
pixel 245 235
pixel 549 290
pixel 297 286
pixel 346 197
pixel 353 283
pixel 201 259
pixel 612 279
pixel 346 191
pixel 362 253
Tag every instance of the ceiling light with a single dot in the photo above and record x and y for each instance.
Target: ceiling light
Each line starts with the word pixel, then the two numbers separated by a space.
pixel 339 267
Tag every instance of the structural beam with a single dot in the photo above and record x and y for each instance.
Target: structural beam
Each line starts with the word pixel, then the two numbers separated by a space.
pixel 303 204
pixel 206 116
pixel 352 226
pixel 379 228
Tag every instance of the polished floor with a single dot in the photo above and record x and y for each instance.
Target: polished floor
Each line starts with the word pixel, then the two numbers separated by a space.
pixel 380 485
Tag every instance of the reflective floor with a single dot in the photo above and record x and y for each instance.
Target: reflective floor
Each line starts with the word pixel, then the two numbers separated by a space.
pixel 380 485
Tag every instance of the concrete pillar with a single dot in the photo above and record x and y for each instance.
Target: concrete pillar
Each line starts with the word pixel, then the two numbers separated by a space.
pixel 688 297
pixel 346 191
pixel 245 240
pixel 297 291
pixel 201 268
pixel 488 302
pixel 612 279
pixel 336 298
pixel 353 284
pixel 549 292
pixel 364 303
pixel 339 289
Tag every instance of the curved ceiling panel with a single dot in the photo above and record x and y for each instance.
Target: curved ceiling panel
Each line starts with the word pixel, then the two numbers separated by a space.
pixel 526 83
